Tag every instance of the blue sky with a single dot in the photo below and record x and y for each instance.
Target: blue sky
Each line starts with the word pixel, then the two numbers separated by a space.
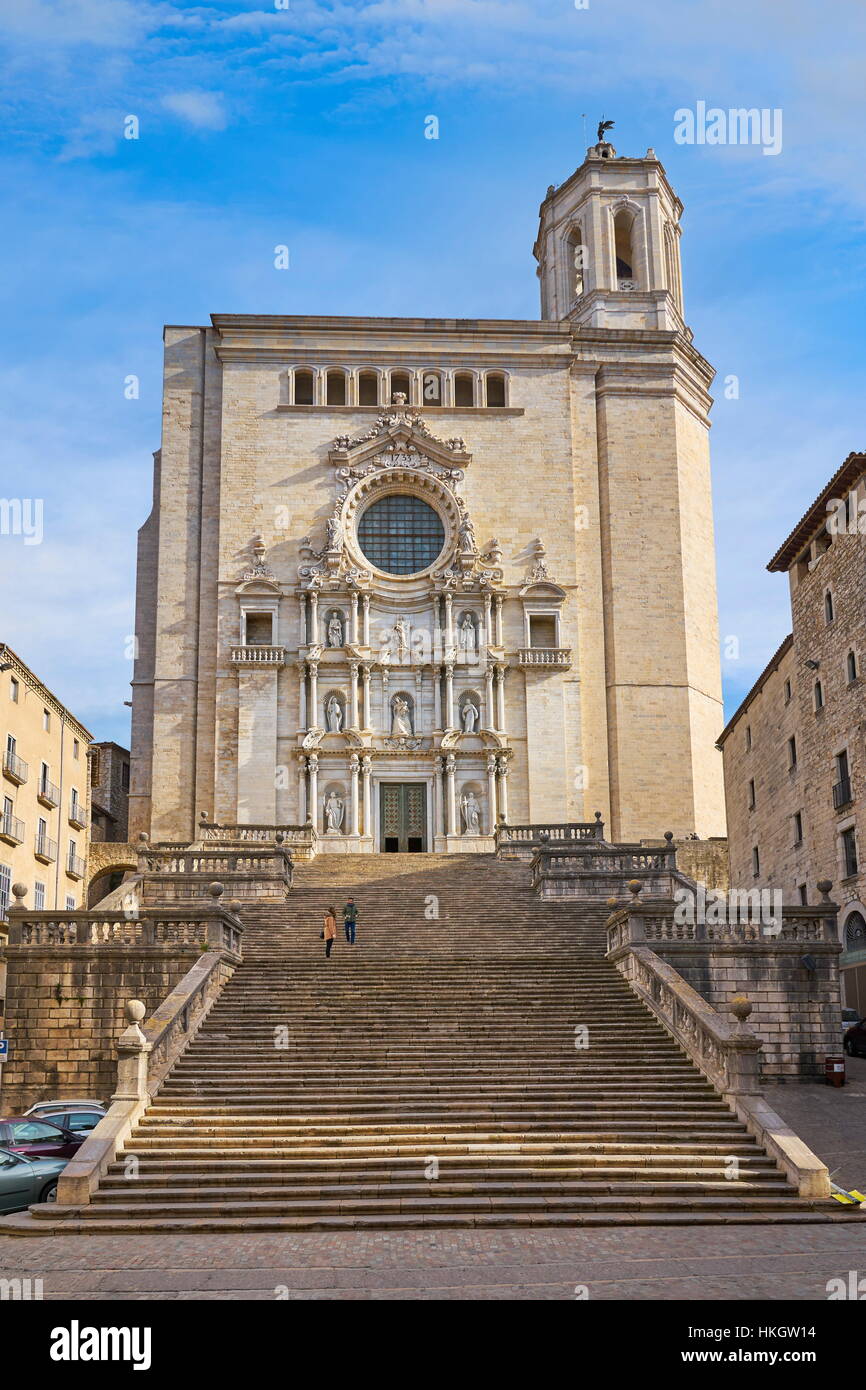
pixel 305 126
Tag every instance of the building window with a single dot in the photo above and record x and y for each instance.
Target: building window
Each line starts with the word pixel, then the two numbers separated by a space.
pixel 13 690
pixel 464 389
pixel 368 388
pixel 335 388
pixel 39 896
pixel 756 861
pixel 787 692
pixel 542 630
pixel 623 226
pixel 819 696
pixel 804 894
pixel 303 387
pixel 798 827
pixel 431 388
pixel 124 776
pixel 849 852
pixel 792 752
pixel 495 384
pixel 748 737
pixel 851 667
pixel 751 793
pixel 70 903
pixel 259 629
pixel 401 385
pixel 46 720
pixel 5 889
pixel 76 748
pixel 842 786
pixel 401 535
pixel 828 607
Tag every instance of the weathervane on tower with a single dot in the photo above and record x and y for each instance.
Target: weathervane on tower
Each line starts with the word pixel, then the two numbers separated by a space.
pixel 603 126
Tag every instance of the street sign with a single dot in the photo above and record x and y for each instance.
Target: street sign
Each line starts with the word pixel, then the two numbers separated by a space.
pixel 4 1049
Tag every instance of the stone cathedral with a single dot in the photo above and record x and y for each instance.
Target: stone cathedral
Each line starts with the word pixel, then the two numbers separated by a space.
pixel 405 578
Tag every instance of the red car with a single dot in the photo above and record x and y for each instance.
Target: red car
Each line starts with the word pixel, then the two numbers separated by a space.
pixel 37 1138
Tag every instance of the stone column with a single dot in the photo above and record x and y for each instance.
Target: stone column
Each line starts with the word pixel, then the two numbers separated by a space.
pixel 500 699
pixel 353 677
pixel 419 699
pixel 449 621
pixel 302 619
pixel 437 697
pixel 503 787
pixel 313 634
pixel 302 790
pixel 354 618
pixel 313 711
pixel 491 793
pixel 366 769
pixel 313 803
pixel 302 695
pixel 356 824
pixel 488 619
pixel 368 713
pixel 438 807
pixel 489 711
pixel 450 794
pixel 386 722
pixel 498 627
pixel 365 600
pixel 449 694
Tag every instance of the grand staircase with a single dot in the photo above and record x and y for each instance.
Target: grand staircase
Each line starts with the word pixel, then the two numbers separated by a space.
pixel 433 1075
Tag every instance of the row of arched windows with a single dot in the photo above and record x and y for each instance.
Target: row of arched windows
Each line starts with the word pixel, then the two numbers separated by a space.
pixel 368 386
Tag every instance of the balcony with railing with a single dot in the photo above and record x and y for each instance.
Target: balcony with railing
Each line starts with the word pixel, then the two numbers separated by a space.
pixel 74 865
pixel 842 793
pixel 77 814
pixel 11 829
pixel 45 848
pixel 258 655
pixel 15 768
pixel 48 792
pixel 550 658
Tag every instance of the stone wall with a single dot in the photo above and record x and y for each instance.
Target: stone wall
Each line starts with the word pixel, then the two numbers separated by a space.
pixel 64 1013
pixel 796 1011
pixel 705 861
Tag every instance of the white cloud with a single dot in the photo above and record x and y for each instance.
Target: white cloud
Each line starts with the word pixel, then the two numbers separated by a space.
pixel 202 110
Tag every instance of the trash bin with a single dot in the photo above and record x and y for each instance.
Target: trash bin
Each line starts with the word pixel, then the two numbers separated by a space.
pixel 834 1071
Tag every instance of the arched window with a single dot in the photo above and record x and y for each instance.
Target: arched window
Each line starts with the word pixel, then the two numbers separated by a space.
pixel 368 388
pixel 303 386
pixel 623 227
pixel 852 666
pixel 828 607
pixel 431 388
pixel 336 388
pixel 400 383
pixel 575 266
pixel 495 385
pixel 464 389
pixel 855 932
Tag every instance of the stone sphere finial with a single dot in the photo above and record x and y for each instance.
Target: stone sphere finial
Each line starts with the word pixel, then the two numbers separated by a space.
pixel 143 837
pixel 824 886
pixel 235 906
pixel 134 1010
pixel 202 815
pixel 19 893
pixel 598 815
pixel 613 902
pixel 741 1007
pixel 669 835
pixel 216 890
pixel 634 886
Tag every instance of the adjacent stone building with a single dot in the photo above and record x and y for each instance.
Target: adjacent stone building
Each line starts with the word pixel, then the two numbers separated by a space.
pixel 109 792
pixel 406 577
pixel 44 799
pixel 795 751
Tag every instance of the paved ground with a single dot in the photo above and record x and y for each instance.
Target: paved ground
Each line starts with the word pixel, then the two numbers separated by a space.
pixel 831 1120
pixel 746 1263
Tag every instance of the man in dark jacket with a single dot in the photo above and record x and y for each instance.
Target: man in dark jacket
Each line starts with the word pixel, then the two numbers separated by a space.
pixel 350 917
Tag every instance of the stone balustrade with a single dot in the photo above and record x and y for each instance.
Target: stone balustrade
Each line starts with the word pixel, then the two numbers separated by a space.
pixel 301 840
pixel 551 658
pixel 258 656
pixel 594 870
pixel 209 928
pixel 522 841
pixel 183 873
pixel 804 925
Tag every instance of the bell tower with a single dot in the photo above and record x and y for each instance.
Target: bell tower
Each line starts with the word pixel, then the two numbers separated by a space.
pixel 608 245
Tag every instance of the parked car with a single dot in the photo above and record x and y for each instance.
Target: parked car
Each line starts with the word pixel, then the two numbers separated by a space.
pixel 34 1137
pixel 855 1039
pixel 849 1018
pixel 81 1119
pixel 42 1107
pixel 24 1181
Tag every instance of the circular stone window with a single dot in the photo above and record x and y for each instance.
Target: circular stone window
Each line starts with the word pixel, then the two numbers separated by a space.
pixel 401 534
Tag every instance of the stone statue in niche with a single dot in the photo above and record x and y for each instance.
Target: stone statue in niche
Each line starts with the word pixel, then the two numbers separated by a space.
pixel 471 814
pixel 335 630
pixel 401 631
pixel 467 535
pixel 467 634
pixel 334 715
pixel 471 715
pixel 335 534
pixel 333 813
pixel 401 718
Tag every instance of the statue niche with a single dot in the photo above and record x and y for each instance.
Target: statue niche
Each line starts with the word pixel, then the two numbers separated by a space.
pixel 467 634
pixel 402 715
pixel 470 712
pixel 335 629
pixel 470 810
pixel 335 712
pixel 334 809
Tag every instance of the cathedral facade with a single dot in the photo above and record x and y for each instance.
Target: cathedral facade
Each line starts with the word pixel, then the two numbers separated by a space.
pixel 406 578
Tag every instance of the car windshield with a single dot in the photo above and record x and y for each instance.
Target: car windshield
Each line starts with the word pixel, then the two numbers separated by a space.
pixel 850 1016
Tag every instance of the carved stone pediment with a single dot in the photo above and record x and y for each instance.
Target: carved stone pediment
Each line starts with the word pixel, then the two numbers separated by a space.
pixel 399 432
